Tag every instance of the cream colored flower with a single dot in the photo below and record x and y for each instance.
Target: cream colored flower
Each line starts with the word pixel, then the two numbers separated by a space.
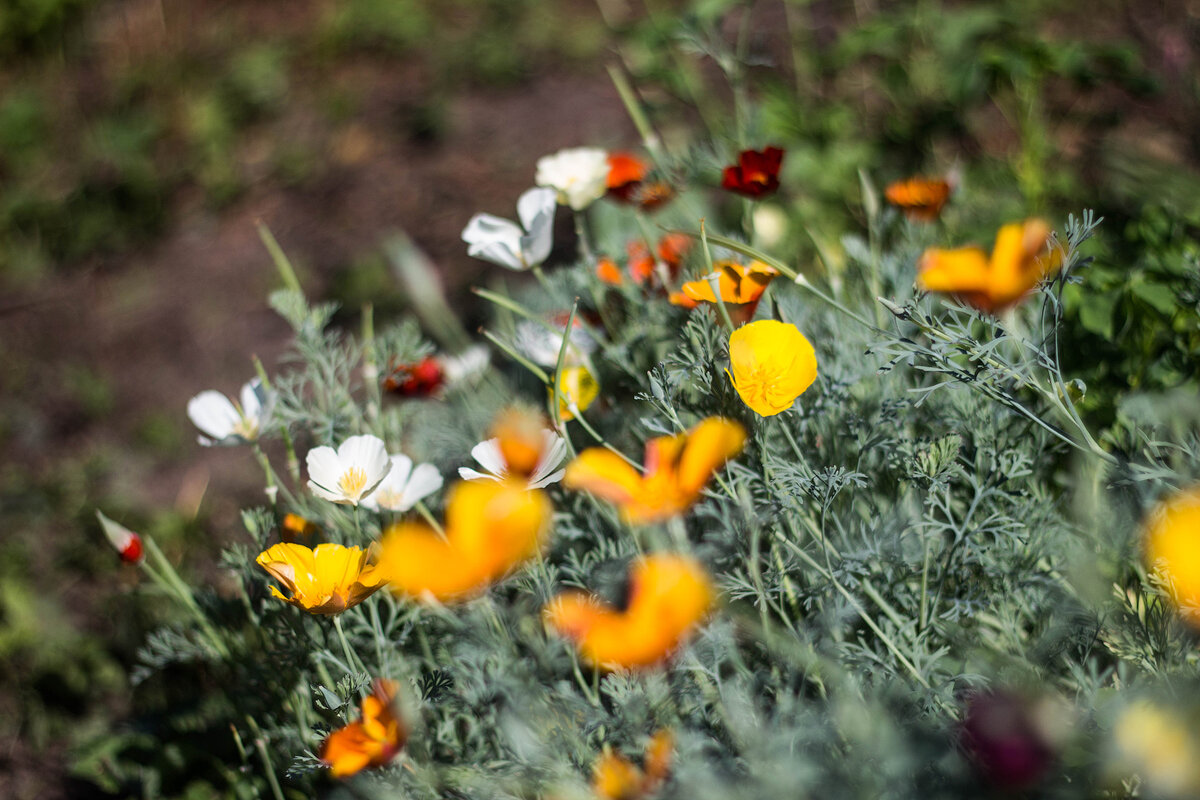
pixel 517 247
pixel 404 485
pixel 579 175
pixel 351 472
pixel 226 423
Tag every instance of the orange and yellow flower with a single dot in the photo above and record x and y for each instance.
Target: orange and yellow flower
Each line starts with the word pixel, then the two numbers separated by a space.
pixel 625 172
pixel 668 596
pixel 294 527
pixel 1172 546
pixel 919 198
pixel 326 580
pixel 771 364
pixel 491 526
pixel 1019 260
pixel 371 741
pixel 740 287
pixel 615 777
pixel 676 471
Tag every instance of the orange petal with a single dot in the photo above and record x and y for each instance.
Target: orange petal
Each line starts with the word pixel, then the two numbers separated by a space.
pixel 494 525
pixel 615 778
pixel 608 271
pixel 961 270
pixel 348 750
pixel 709 445
pixel 416 560
pixel 604 474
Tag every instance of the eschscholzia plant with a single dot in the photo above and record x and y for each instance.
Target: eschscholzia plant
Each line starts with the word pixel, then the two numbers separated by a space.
pixel 668 596
pixel 517 247
pixel 404 486
pixel 626 171
pixel 771 364
pixel 677 468
pixel 127 543
pixel 1172 550
pixel 740 287
pixel 351 472
pixel 1018 261
pixel 578 175
pixel 373 739
pixel 521 448
pixel 491 527
pixel 920 199
pixel 225 423
pixel 756 174
pixel 326 580
pixel 577 388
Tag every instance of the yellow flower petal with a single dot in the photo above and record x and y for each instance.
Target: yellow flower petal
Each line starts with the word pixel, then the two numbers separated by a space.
pixel 327 580
pixel 1172 545
pixel 710 444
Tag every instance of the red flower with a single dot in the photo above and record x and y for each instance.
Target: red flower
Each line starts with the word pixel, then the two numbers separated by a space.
pixel 756 173
pixel 415 380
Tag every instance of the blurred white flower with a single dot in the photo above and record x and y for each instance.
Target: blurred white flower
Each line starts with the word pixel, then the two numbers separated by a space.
pixel 225 423
pixel 770 225
pixel 505 243
pixel 488 454
pixel 351 472
pixel 404 486
pixel 541 345
pixel 467 366
pixel 579 175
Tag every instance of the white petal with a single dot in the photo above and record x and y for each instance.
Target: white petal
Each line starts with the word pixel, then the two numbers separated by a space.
pixel 368 453
pixel 553 450
pixel 494 239
pixel 324 468
pixel 213 413
pixel 325 494
pixel 500 253
pixel 468 474
pixel 536 206
pixel 488 454
pixel 553 477
pixel 425 481
pixel 398 474
pixel 251 397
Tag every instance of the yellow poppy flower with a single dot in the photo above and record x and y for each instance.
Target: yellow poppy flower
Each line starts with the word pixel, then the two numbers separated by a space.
pixel 772 364
pixel 491 526
pixel 1173 550
pixel 577 389
pixel 1019 260
pixel 668 596
pixel 372 740
pixel 740 287
pixel 677 469
pixel 326 580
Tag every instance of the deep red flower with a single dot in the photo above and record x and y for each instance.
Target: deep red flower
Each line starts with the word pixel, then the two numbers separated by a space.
pixel 756 174
pixel 415 380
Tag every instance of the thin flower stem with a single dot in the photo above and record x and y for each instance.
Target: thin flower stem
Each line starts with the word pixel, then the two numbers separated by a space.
pixel 346 651
pixel 581 235
pixel 423 510
pixel 282 264
pixel 583 423
pixel 537 371
pixel 293 463
pixel 556 386
pixel 541 278
pixel 260 744
pixel 588 691
pixel 370 369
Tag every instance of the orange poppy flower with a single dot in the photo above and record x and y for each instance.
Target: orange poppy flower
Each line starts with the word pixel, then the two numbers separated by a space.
pixel 295 527
pixel 919 198
pixel 1019 260
pixel 608 271
pixel 615 777
pixel 756 174
pixel 373 740
pixel 625 172
pixel 740 287
pixel 1172 547
pixel 491 526
pixel 652 196
pixel 677 469
pixel 327 579
pixel 672 248
pixel 668 596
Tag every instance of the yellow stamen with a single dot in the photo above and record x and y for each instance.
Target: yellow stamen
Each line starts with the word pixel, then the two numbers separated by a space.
pixel 352 482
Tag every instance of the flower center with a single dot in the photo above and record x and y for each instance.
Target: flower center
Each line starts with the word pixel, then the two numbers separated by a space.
pixel 352 482
pixel 386 498
pixel 246 428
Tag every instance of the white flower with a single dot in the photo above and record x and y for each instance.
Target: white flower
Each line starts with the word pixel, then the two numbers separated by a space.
pixel 467 366
pixel 541 345
pixel 404 486
pixel 226 423
pixel 579 175
pixel 351 472
pixel 505 243
pixel 489 457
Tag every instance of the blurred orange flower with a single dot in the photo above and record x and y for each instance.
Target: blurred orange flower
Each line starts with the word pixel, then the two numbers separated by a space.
pixel 740 287
pixel 625 172
pixel 373 740
pixel 668 596
pixel 491 526
pixel 294 526
pixel 1019 260
pixel 1172 545
pixel 676 470
pixel 326 580
pixel 919 198
pixel 615 777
